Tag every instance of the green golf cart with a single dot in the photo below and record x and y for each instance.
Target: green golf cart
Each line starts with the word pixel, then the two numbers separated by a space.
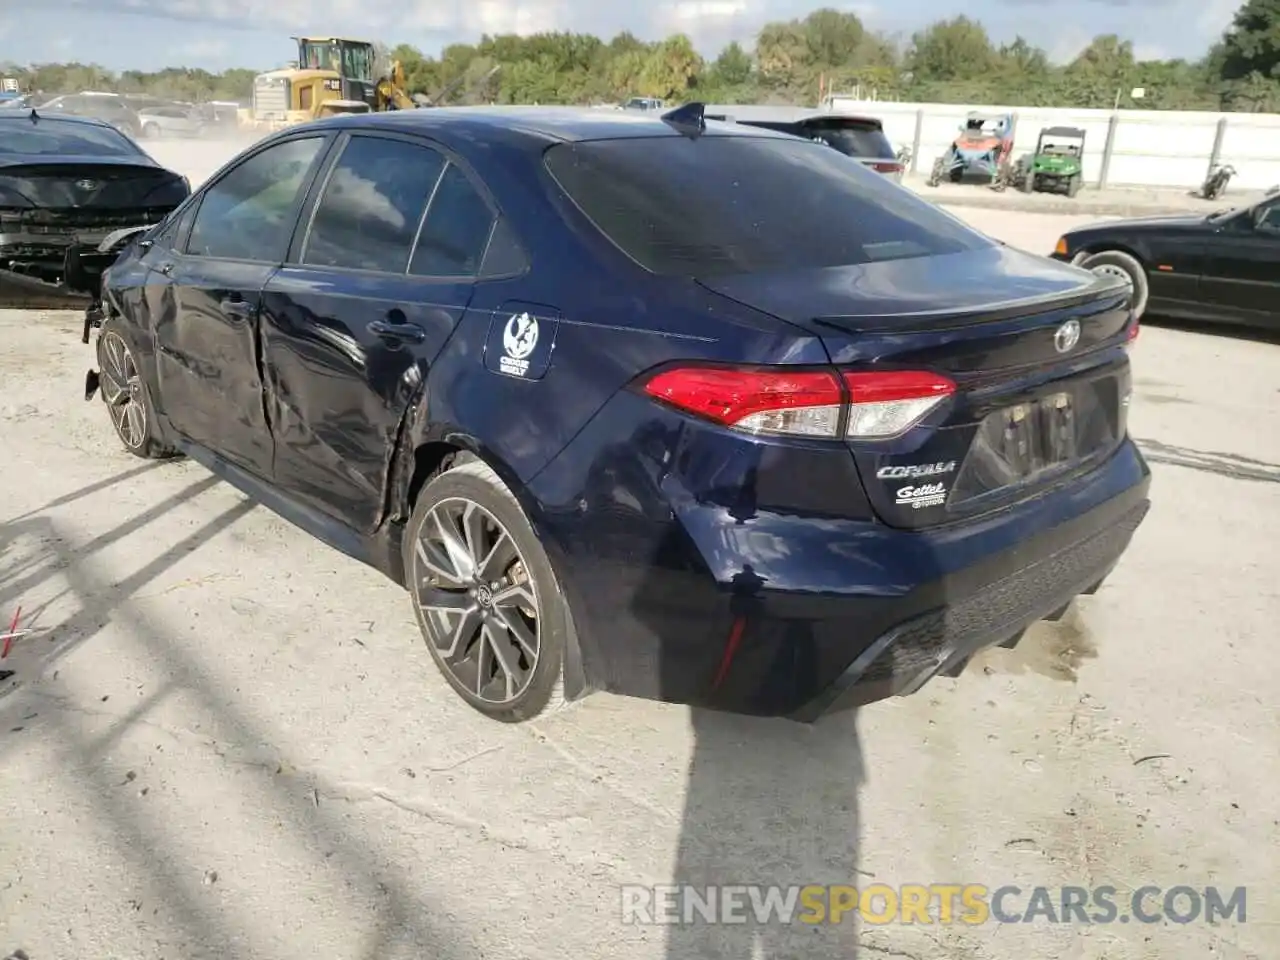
pixel 1057 166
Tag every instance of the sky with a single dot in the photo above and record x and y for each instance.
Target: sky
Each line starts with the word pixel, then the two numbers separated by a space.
pixel 217 34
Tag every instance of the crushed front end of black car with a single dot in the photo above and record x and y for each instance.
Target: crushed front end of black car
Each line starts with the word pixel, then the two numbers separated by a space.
pixel 68 189
pixel 53 259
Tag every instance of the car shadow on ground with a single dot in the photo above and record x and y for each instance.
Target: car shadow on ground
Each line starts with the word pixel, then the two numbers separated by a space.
pixel 773 805
pixel 770 805
pixel 402 923
pixel 1214 329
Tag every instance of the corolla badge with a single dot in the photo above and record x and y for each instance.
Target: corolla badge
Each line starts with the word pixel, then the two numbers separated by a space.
pixel 1066 336
pixel 86 185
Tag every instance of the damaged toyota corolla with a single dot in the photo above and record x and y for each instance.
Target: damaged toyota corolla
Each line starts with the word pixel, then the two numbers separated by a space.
pixel 71 189
pixel 682 410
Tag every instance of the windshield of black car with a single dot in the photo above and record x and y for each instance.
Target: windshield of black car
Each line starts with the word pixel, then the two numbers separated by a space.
pixel 742 204
pixel 50 138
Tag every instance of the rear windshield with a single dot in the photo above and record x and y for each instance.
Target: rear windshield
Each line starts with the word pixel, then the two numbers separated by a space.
pixel 850 137
pixel 741 204
pixel 51 138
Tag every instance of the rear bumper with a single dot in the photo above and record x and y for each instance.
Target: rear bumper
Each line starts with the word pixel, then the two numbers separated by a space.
pixel 676 598
pixel 1005 598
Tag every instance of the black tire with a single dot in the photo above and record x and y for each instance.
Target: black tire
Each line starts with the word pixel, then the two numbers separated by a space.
pixel 473 482
pixel 1073 185
pixel 936 172
pixel 1113 261
pixel 127 395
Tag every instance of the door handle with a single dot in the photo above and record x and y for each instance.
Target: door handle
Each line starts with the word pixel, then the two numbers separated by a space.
pixel 237 309
pixel 409 332
pixel 165 268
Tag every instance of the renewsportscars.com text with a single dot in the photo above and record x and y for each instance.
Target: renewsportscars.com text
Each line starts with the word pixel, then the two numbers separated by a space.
pixel 969 904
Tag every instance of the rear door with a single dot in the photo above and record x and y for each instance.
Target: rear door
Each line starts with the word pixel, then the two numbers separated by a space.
pixel 377 281
pixel 206 326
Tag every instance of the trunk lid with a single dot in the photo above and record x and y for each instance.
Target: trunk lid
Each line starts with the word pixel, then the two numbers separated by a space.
pixel 90 183
pixel 1035 348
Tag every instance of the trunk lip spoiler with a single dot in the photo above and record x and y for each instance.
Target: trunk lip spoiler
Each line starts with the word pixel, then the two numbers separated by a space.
pixel 953 318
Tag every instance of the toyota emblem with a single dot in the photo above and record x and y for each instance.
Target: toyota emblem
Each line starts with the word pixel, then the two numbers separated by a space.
pixel 86 185
pixel 1066 336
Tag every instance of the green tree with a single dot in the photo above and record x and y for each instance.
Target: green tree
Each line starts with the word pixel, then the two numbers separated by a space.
pixel 957 49
pixel 1252 43
pixel 950 61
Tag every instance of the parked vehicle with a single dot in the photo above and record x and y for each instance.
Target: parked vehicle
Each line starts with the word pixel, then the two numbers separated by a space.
pixel 859 137
pixel 681 410
pixel 107 107
pixel 1057 166
pixel 67 184
pixel 165 122
pixel 643 103
pixel 984 146
pixel 1215 184
pixel 1218 267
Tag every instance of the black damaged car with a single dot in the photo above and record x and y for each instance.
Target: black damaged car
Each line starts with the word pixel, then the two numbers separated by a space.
pixel 68 187
pixel 1219 267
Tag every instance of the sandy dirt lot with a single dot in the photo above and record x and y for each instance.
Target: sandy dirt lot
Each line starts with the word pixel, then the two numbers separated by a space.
pixel 224 740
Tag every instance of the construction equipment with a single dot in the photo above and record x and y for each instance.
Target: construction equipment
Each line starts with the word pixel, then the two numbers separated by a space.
pixel 335 75
pixel 982 148
pixel 330 76
pixel 1057 166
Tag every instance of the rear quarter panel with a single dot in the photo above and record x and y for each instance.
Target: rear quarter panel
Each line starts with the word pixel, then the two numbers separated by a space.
pixel 611 321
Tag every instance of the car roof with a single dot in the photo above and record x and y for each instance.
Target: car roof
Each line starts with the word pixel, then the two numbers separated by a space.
pixel 545 124
pixel 24 115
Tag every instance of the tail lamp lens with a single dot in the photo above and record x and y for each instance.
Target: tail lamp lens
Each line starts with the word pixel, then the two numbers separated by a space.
pixel 805 403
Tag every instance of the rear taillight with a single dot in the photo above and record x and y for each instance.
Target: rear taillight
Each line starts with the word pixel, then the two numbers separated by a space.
pixel 887 166
pixel 883 405
pixel 803 403
pixel 1133 330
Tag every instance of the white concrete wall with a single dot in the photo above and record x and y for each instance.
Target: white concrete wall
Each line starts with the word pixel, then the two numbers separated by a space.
pixel 1156 148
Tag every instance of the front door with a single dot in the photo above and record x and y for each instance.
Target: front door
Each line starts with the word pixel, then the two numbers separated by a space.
pixel 1242 274
pixel 353 321
pixel 207 328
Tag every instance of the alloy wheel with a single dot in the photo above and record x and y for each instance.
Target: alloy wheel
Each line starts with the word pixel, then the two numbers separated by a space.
pixel 480 606
pixel 1110 270
pixel 121 387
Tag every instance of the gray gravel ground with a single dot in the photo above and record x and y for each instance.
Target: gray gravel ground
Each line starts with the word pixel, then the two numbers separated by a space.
pixel 225 740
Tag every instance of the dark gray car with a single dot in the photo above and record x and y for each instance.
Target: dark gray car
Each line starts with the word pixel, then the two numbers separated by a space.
pixel 862 138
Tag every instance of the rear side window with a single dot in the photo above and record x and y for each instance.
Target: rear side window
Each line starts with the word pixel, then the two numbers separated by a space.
pixel 51 138
pixel 738 204
pixel 249 213
pixel 372 204
pixel 456 231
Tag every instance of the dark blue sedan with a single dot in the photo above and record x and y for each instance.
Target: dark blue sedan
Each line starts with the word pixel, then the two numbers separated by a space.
pixel 681 410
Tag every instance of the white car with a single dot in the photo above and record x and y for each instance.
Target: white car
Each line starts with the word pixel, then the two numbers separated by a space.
pixel 157 122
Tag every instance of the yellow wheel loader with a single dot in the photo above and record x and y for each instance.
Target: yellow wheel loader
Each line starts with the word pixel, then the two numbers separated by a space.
pixel 334 75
